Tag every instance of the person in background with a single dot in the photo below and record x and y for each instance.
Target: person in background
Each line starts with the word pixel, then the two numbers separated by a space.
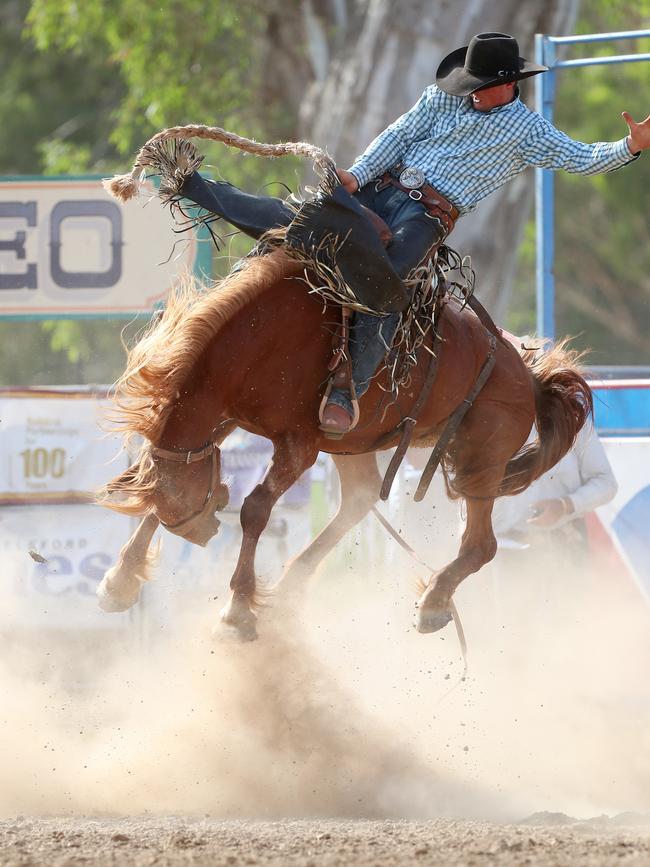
pixel 554 506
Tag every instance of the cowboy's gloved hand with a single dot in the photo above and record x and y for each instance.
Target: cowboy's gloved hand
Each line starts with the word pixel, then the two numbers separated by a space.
pixel 350 183
pixel 639 137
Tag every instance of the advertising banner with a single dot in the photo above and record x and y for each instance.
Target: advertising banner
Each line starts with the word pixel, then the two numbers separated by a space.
pixel 245 458
pixel 53 447
pixel 68 249
pixel 53 559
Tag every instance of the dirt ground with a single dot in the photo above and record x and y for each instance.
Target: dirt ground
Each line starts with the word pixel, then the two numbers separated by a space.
pixel 540 841
pixel 341 737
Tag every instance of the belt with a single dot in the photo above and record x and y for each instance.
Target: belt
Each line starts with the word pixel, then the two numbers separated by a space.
pixel 433 201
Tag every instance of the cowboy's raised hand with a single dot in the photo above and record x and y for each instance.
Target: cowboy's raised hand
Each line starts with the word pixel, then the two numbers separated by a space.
pixel 639 137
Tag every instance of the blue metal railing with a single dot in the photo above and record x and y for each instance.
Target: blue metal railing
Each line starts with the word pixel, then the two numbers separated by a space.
pixel 545 86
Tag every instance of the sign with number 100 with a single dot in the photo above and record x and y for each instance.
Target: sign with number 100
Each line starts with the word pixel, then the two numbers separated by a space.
pixel 53 447
pixel 40 463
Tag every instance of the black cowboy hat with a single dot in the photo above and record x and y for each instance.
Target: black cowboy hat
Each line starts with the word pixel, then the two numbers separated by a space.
pixel 490 58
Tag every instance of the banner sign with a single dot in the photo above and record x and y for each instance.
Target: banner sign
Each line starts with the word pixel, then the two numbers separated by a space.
pixel 53 448
pixel 68 249
pixel 53 559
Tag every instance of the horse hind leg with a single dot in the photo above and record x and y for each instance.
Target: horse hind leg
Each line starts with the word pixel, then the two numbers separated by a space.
pixel 491 433
pixel 478 547
pixel 120 587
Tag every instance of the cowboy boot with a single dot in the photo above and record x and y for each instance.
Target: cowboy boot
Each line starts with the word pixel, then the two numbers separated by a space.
pixel 336 421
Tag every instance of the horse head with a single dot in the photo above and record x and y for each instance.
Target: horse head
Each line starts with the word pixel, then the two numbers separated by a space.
pixel 189 492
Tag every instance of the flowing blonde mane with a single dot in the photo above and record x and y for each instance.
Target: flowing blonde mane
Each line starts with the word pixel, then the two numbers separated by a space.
pixel 160 362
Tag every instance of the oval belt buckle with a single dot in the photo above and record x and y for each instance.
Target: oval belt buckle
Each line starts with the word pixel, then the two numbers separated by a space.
pixel 412 178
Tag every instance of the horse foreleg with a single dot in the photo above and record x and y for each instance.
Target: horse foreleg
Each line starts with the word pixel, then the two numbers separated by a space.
pixel 291 458
pixel 119 589
pixel 360 485
pixel 478 547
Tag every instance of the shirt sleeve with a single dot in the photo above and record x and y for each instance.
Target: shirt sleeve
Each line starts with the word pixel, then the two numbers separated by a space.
pixel 391 145
pixel 599 485
pixel 548 148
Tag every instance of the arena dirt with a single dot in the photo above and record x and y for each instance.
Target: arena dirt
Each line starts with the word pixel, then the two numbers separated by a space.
pixel 341 736
pixel 302 843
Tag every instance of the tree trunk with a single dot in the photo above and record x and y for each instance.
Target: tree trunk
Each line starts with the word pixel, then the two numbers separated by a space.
pixel 359 64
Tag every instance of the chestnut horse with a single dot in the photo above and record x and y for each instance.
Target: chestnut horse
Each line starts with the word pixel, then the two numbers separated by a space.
pixel 252 352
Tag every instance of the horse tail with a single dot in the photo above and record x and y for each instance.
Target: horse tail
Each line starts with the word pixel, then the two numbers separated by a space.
pixel 563 403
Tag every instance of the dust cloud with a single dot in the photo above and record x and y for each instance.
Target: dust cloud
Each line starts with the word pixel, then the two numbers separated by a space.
pixel 133 722
pixel 340 709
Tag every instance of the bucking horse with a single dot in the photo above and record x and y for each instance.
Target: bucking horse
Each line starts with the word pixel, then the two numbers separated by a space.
pixel 254 351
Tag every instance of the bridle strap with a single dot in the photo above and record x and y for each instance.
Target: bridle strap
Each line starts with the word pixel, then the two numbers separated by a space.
pixel 191 456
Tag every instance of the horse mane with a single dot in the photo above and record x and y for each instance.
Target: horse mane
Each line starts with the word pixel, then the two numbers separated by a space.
pixel 160 362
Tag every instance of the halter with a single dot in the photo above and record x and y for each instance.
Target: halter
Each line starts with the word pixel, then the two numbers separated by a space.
pixel 193 456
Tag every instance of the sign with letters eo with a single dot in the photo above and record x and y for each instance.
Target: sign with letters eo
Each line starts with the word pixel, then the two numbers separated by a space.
pixel 67 249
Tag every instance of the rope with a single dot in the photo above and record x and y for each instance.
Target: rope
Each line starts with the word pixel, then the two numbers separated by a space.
pixel 126 186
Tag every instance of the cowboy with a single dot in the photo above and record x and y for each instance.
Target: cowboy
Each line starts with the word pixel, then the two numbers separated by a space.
pixel 468 134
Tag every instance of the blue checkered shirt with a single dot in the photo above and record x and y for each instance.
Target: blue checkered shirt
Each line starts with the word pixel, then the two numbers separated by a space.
pixel 467 154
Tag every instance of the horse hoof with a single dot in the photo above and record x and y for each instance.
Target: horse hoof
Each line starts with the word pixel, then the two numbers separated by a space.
pixel 431 621
pixel 243 626
pixel 112 603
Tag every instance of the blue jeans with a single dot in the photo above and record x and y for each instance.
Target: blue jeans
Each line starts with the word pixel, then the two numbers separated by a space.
pixel 414 234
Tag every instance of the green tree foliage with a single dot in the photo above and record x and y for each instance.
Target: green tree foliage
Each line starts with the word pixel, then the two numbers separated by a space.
pixel 56 110
pixel 178 62
pixel 85 83
pixel 602 264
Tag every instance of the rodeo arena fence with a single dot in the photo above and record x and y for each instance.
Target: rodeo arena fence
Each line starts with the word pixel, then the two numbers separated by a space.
pixel 67 250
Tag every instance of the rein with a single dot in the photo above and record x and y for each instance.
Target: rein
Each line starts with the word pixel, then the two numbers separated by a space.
pixel 125 187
